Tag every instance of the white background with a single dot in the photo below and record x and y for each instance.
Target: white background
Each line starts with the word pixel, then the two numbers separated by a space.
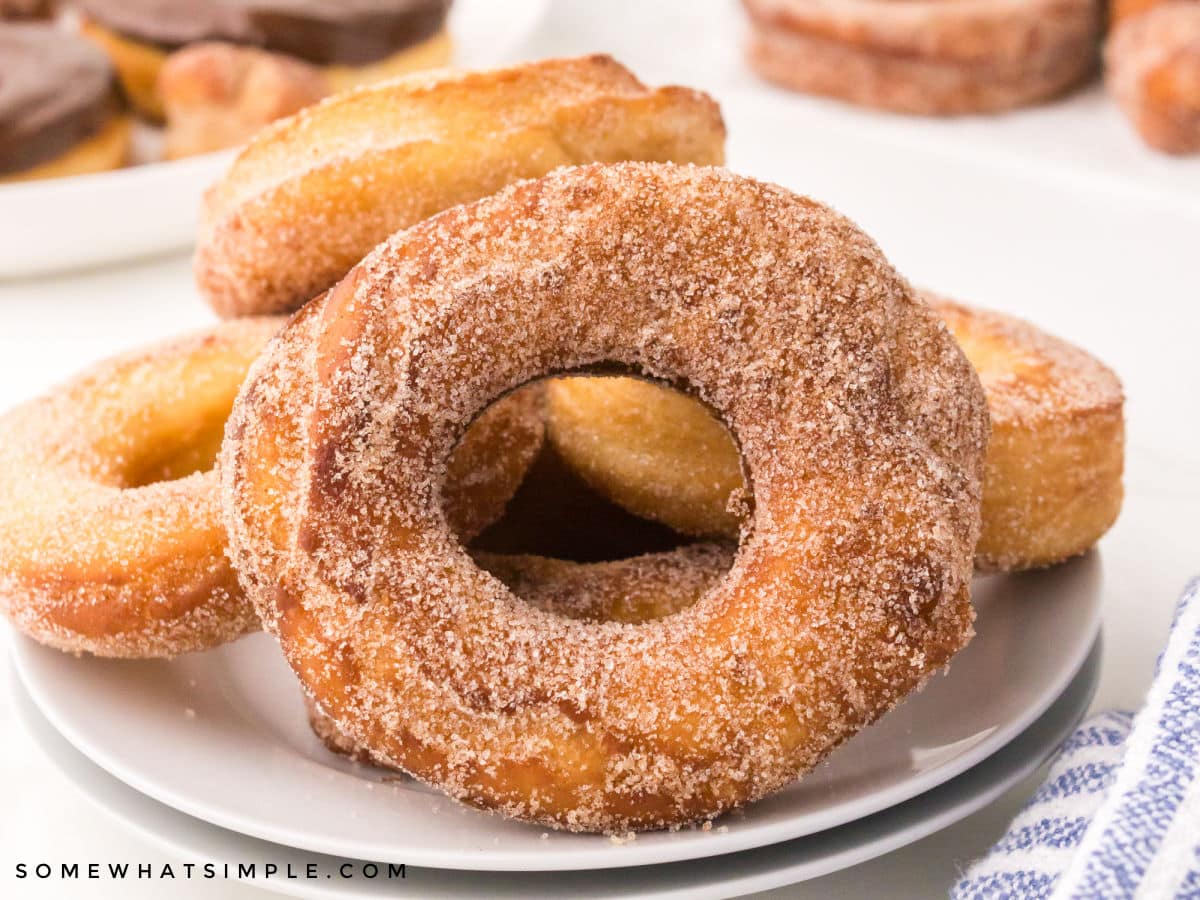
pixel 1057 214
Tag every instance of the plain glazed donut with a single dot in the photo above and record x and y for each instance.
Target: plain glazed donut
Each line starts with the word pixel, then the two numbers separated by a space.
pixel 110 534
pixel 1052 486
pixel 1153 72
pixel 927 57
pixel 635 589
pixel 311 195
pixel 862 428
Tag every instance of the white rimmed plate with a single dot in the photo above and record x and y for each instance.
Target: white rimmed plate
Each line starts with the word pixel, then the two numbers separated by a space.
pixel 222 736
pixel 143 210
pixel 193 840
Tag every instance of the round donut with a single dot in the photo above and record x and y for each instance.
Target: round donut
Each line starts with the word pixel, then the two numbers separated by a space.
pixel 926 57
pixel 635 589
pixel 311 195
pixel 861 425
pixel 1052 486
pixel 111 540
pixel 1153 72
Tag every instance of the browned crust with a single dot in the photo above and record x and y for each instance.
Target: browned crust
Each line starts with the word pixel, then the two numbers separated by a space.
pixel 635 589
pixel 1153 73
pixel 309 196
pixel 1054 465
pixel 863 430
pixel 926 57
pixel 97 552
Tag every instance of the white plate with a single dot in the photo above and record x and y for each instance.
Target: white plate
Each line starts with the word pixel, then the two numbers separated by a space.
pixel 193 840
pixel 86 220
pixel 222 736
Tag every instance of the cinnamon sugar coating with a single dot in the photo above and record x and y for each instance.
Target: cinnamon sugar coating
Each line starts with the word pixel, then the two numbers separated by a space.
pixel 1153 72
pixel 927 57
pixel 111 539
pixel 311 195
pixel 636 589
pixel 862 430
pixel 1053 479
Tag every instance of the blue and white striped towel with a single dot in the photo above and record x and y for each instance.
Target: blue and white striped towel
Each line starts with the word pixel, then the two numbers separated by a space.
pixel 1119 814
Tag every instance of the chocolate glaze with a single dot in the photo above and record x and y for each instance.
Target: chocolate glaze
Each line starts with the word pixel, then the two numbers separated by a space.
pixel 55 91
pixel 13 10
pixel 349 32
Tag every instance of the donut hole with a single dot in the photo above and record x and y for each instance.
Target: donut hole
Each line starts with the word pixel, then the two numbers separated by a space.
pixel 570 506
pixel 194 450
pixel 169 441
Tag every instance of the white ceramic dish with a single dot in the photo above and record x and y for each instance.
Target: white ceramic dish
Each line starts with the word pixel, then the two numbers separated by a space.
pixel 222 736
pixel 87 220
pixel 196 841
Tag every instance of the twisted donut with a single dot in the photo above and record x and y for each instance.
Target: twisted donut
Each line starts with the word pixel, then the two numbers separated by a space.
pixel 861 425
pixel 928 57
pixel 110 533
pixel 1053 479
pixel 1153 72
pixel 635 589
pixel 308 197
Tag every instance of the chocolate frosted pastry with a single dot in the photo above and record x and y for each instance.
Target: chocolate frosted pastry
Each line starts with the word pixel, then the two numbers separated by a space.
pixel 16 10
pixel 57 115
pixel 355 40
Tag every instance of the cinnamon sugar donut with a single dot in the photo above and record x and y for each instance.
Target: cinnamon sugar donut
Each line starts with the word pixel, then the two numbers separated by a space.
pixel 110 534
pixel 1053 480
pixel 309 196
pixel 636 589
pixel 861 425
pixel 1153 72
pixel 928 57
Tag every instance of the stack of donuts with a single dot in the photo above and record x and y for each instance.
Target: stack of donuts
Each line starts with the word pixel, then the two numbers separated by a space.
pixel 936 57
pixel 432 286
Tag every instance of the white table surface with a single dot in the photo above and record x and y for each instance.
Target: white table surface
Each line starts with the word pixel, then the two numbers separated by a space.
pixel 51 326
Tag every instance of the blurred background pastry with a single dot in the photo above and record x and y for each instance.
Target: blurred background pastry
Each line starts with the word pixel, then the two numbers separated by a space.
pixel 926 57
pixel 216 95
pixel 1152 68
pixel 57 110
pixel 18 10
pixel 353 41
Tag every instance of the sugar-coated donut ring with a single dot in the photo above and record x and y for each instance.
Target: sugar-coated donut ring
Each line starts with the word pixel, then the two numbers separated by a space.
pixel 862 428
pixel 1053 478
pixel 1153 72
pixel 308 197
pixel 636 589
pixel 928 57
pixel 111 539
pixel 110 534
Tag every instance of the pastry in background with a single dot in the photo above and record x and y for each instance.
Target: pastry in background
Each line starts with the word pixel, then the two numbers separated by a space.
pixel 18 10
pixel 926 57
pixel 354 41
pixel 216 95
pixel 58 115
pixel 1152 68
pixel 1120 10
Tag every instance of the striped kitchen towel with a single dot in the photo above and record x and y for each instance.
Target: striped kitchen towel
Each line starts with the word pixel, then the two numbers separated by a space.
pixel 1119 813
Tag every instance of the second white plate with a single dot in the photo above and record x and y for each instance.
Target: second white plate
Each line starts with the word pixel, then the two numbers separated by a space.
pixel 730 875
pixel 223 737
